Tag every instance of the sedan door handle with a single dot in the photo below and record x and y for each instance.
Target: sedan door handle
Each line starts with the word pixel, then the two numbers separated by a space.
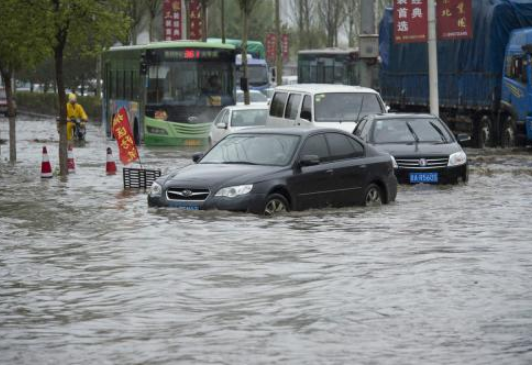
pixel 330 171
pixel 362 166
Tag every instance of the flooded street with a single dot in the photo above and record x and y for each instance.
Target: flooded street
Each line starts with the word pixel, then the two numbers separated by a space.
pixel 90 275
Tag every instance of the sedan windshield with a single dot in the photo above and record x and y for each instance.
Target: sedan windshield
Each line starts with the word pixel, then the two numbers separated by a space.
pixel 249 117
pixel 410 131
pixel 253 149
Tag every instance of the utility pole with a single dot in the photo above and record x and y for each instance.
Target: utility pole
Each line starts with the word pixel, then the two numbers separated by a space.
pixel 367 34
pixel 433 60
pixel 279 53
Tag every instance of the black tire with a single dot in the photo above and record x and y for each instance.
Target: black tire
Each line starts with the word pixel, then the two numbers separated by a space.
pixel 484 132
pixel 508 133
pixel 275 204
pixel 373 196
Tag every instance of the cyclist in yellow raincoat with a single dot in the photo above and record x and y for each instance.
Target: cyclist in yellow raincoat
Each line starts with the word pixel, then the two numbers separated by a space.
pixel 74 111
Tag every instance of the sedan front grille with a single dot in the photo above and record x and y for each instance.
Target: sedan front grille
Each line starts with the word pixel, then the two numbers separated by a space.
pixel 422 162
pixel 187 194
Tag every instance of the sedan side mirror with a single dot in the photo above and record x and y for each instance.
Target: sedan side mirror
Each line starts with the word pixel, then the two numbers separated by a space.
pixel 309 160
pixel 463 137
pixel 197 157
pixel 221 125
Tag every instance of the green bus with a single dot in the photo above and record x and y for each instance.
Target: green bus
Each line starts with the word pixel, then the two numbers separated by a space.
pixel 172 91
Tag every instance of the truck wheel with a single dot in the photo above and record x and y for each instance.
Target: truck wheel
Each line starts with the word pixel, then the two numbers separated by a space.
pixel 508 133
pixel 483 132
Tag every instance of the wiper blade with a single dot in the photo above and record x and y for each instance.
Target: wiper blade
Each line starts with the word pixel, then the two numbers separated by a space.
pixel 442 136
pixel 412 131
pixel 239 163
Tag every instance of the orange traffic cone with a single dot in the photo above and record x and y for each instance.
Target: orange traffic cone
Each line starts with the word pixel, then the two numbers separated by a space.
pixel 71 164
pixel 46 167
pixel 110 166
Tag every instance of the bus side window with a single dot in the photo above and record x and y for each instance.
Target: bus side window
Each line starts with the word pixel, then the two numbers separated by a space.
pixel 306 108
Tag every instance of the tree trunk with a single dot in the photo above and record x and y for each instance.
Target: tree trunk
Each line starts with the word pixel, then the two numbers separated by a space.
pixel 99 77
pixel 223 21
pixel 204 25
pixel 63 142
pixel 245 52
pixel 187 11
pixel 7 76
pixel 278 45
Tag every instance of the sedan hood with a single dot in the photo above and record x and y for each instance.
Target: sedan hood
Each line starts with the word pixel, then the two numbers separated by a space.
pixel 418 149
pixel 218 175
pixel 348 127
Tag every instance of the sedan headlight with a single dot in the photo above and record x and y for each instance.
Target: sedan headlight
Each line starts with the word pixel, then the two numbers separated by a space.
pixel 234 191
pixel 394 163
pixel 156 190
pixel 457 159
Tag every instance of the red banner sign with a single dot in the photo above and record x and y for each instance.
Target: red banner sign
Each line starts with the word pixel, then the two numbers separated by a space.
pixel 410 21
pixel 271 47
pixel 124 138
pixel 172 20
pixel 195 19
pixel 454 19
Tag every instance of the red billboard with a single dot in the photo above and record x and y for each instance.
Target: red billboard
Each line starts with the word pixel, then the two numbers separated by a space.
pixel 410 21
pixel 271 47
pixel 454 19
pixel 195 19
pixel 172 21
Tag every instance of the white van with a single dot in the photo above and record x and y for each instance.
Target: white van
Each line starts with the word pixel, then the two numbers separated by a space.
pixel 323 105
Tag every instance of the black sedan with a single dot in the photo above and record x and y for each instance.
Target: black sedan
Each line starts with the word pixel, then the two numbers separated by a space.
pixel 267 171
pixel 424 149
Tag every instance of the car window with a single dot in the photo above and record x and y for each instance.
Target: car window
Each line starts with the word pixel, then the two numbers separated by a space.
pixel 225 118
pixel 370 105
pixel 293 106
pixel 249 117
pixel 219 117
pixel 306 108
pixel 278 103
pixel 410 130
pixel 253 149
pixel 341 146
pixel 360 127
pixel 334 107
pixel 257 97
pixel 316 145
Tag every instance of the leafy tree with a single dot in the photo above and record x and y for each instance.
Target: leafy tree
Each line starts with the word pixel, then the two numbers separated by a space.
pixel 21 45
pixel 80 27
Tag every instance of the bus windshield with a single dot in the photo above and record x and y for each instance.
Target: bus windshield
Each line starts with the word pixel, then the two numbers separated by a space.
pixel 257 74
pixel 186 83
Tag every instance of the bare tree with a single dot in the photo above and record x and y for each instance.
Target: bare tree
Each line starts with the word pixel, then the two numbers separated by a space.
pixel 301 13
pixel 352 21
pixel 332 15
pixel 135 12
pixel 154 9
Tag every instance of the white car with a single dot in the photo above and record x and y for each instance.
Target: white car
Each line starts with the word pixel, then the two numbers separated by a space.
pixel 323 105
pixel 236 117
pixel 255 97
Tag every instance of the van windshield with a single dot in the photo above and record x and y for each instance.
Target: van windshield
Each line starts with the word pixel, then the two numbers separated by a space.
pixel 345 107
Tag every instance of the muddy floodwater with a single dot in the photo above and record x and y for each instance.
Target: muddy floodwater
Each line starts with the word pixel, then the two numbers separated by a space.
pixel 90 275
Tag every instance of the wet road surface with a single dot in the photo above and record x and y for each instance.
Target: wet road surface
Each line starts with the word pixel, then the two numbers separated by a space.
pixel 89 274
